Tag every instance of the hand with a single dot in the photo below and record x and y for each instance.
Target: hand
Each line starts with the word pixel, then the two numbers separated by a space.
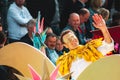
pixel 99 22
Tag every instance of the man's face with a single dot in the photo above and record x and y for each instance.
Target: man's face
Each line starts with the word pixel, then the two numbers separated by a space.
pixel 19 2
pixel 74 21
pixel 84 18
pixel 51 42
pixel 71 40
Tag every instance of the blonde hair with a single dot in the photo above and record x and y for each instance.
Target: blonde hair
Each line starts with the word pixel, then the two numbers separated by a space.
pixel 104 13
pixel 96 3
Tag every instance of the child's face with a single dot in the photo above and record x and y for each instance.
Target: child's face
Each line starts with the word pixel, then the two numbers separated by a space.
pixel 71 40
pixel 59 45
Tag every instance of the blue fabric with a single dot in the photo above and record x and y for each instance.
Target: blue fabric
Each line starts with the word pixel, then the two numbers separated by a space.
pixel 52 55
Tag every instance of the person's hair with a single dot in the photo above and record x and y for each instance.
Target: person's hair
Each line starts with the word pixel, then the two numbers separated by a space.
pixel 104 12
pixel 58 38
pixel 95 3
pixel 49 28
pixel 31 23
pixel 2 37
pixel 50 35
pixel 83 11
pixel 63 34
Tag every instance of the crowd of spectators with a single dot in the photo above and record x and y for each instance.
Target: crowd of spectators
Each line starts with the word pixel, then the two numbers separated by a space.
pixel 59 16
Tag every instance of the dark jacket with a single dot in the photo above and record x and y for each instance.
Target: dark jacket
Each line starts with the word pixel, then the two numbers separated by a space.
pixel 26 39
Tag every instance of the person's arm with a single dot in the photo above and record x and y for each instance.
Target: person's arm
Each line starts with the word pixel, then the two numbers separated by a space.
pixel 100 24
pixel 16 15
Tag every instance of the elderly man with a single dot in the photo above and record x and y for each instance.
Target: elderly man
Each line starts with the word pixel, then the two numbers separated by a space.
pixel 73 24
pixel 28 38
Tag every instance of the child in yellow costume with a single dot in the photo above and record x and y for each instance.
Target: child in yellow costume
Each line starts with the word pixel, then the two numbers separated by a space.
pixel 80 56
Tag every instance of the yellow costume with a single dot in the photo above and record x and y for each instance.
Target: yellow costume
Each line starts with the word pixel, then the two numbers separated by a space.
pixel 89 52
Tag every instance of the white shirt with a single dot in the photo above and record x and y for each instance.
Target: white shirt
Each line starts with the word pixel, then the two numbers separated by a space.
pixel 79 65
pixel 17 17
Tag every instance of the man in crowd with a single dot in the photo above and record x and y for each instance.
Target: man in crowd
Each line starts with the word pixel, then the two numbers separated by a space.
pixel 73 24
pixel 17 18
pixel 28 38
pixel 50 49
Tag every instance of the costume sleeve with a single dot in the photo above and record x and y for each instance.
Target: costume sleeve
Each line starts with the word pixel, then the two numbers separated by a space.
pixel 106 48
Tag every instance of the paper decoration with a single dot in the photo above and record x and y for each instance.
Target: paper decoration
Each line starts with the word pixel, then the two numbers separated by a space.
pixel 38 22
pixel 21 77
pixel 39 39
pixel 53 75
pixel 34 74
pixel 41 26
pixel 39 35
pixel 46 76
pixel 46 73
pixel 66 77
